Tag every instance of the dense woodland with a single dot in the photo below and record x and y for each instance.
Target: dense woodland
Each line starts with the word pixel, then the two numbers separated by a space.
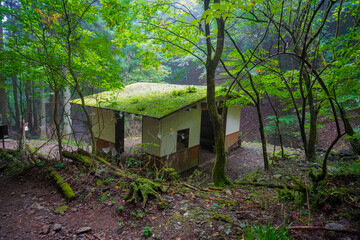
pixel 300 57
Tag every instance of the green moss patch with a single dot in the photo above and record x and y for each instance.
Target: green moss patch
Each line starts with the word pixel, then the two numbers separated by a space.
pixel 150 99
pixel 65 187
pixel 61 209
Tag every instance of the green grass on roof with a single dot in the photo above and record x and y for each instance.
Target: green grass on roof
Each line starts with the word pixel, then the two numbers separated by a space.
pixel 150 99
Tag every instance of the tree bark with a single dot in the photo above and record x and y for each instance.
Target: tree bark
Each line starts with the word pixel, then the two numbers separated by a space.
pixel 56 122
pixel 29 105
pixel 312 139
pixel 35 108
pixel 2 85
pixel 42 112
pixel 218 172
pixel 262 134
pixel 52 107
pixel 67 113
pixel 16 102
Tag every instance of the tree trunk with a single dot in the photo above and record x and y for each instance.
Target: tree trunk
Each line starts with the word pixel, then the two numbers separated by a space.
pixel 16 103
pixel 42 112
pixel 277 122
pixel 52 107
pixel 262 133
pixel 35 107
pixel 218 172
pixel 56 122
pixel 2 85
pixel 28 105
pixel 67 113
pixel 312 139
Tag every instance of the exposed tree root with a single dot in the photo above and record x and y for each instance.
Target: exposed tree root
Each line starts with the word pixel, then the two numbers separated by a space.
pixel 65 187
pixel 141 189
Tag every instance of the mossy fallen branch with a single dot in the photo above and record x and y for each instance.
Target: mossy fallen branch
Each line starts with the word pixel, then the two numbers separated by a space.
pixel 141 189
pixel 87 161
pixel 34 154
pixel 85 158
pixel 65 187
pixel 273 185
pixel 85 153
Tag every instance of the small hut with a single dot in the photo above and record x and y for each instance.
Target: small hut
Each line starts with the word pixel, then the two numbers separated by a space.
pixel 175 121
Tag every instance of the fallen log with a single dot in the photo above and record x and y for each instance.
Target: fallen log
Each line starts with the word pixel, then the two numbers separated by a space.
pixel 35 155
pixel 65 187
pixel 87 161
pixel 273 185
pixel 85 153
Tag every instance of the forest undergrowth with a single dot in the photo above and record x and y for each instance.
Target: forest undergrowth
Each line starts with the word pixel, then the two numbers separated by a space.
pixel 118 200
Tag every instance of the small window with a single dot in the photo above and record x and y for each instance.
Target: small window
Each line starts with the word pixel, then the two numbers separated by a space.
pixel 182 139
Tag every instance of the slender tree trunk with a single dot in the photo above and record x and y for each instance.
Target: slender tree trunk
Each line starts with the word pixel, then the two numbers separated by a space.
pixel 42 112
pixel 277 122
pixel 57 123
pixel 51 108
pixel 29 105
pixel 35 107
pixel 262 133
pixel 16 102
pixel 312 139
pixel 67 113
pixel 3 100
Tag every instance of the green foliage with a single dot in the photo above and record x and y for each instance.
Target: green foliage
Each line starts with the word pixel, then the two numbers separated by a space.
pixel 267 232
pixel 345 167
pixel 104 196
pixel 109 180
pixel 60 165
pixel 287 125
pixel 147 231
pixel 132 162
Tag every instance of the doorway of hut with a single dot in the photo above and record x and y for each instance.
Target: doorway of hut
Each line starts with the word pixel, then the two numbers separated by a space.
pixel 207 137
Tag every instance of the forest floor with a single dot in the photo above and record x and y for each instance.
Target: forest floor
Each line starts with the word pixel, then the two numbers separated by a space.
pixel 194 209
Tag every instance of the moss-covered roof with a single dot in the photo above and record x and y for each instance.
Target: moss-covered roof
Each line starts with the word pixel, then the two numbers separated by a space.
pixel 149 99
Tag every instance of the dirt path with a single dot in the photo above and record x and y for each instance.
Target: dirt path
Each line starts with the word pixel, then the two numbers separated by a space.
pixel 241 161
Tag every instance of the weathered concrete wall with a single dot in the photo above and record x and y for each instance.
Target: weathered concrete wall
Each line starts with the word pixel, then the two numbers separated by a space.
pixel 151 133
pixel 104 124
pixel 178 121
pixel 233 119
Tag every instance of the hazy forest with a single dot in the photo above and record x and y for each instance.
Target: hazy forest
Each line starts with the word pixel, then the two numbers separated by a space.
pixel 292 67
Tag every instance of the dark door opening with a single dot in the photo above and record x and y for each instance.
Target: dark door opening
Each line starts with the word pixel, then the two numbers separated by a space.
pixel 207 137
